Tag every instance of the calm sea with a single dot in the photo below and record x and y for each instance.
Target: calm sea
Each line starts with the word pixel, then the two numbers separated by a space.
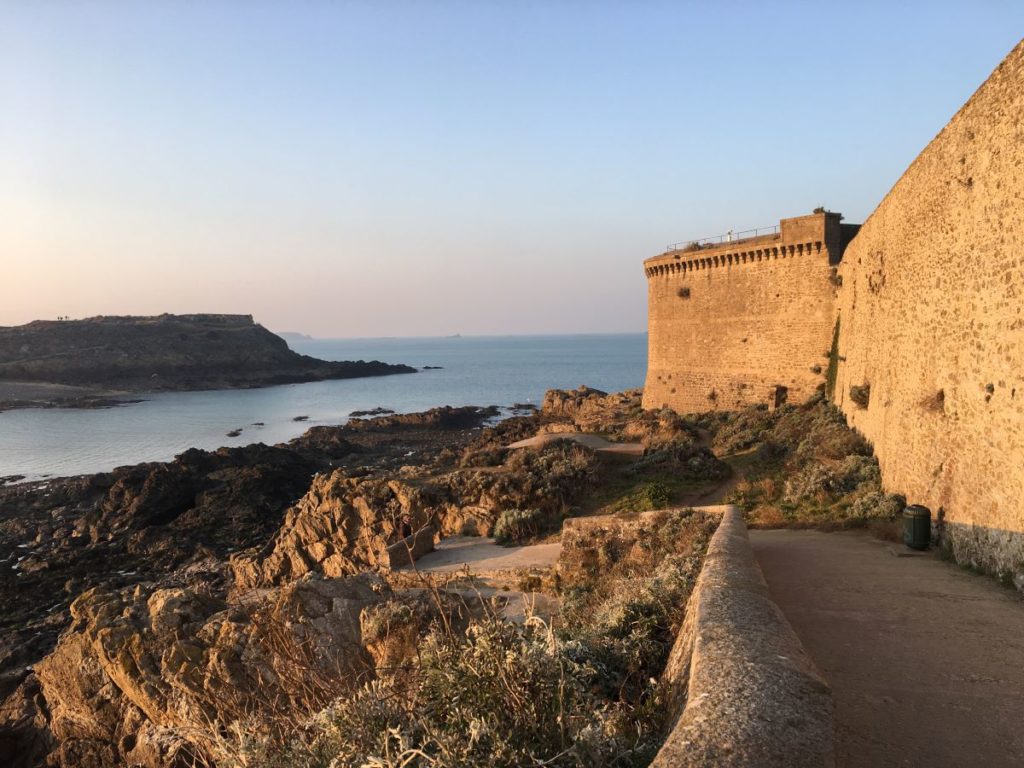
pixel 476 370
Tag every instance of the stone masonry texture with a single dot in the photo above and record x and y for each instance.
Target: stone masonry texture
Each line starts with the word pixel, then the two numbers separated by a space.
pixel 932 318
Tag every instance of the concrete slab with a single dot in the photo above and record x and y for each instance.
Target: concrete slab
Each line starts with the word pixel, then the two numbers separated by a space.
pixel 484 554
pixel 926 660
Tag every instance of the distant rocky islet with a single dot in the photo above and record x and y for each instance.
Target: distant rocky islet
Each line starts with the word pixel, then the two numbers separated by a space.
pixel 100 361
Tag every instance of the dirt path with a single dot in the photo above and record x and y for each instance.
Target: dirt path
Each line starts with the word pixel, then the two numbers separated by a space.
pixel 596 442
pixel 483 554
pixel 926 660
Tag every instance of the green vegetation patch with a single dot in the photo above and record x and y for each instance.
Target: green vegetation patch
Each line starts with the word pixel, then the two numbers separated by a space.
pixel 803 465
pixel 519 525
pixel 832 373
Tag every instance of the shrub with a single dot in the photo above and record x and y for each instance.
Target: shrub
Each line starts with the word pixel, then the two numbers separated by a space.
pixel 650 495
pixel 501 695
pixel 557 470
pixel 877 504
pixel 484 457
pixel 702 464
pixel 548 479
pixel 743 430
pixel 809 465
pixel 382 619
pixel 833 363
pixel 658 429
pixel 821 482
pixel 623 611
pixel 684 462
pixel 515 525
pixel 860 395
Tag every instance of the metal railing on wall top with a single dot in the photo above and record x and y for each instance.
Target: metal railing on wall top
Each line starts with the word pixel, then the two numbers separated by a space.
pixel 726 237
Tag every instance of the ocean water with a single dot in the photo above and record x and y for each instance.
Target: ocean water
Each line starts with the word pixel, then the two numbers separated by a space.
pixel 476 370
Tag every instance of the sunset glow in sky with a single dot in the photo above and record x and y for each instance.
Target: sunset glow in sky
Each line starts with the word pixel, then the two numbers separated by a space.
pixel 418 168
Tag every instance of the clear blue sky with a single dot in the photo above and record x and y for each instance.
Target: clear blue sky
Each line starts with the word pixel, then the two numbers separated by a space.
pixel 408 168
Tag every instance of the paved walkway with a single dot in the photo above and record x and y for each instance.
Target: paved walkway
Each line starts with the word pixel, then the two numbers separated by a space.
pixel 482 554
pixel 926 660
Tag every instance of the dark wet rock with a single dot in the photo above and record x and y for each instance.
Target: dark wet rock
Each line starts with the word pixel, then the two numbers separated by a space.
pixel 378 411
pixel 446 417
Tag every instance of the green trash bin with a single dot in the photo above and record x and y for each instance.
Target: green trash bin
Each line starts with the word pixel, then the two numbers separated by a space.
pixel 917 526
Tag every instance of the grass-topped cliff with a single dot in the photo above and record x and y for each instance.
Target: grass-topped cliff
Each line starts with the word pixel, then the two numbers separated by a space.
pixel 166 352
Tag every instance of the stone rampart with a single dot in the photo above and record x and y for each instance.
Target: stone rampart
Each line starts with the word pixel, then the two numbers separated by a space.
pixel 753 698
pixel 745 322
pixel 932 319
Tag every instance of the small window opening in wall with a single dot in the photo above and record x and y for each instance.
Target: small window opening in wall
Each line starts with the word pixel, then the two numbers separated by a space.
pixel 683 293
pixel 779 397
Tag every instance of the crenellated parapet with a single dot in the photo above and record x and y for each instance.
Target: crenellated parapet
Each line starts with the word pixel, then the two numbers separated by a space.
pixel 750 255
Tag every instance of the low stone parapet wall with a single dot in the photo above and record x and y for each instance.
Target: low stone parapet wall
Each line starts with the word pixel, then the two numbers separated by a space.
pixel 753 697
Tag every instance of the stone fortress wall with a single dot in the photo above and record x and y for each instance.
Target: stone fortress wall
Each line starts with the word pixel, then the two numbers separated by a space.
pixel 932 318
pixel 927 310
pixel 743 322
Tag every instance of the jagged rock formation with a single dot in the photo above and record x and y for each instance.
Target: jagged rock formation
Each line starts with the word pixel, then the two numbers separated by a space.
pixel 147 675
pixel 342 526
pixel 59 538
pixel 164 352
pixel 346 525
pixel 247 582
pixel 619 414
pixel 590 408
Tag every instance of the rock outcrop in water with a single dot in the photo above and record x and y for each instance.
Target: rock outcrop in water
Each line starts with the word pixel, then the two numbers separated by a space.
pixel 167 352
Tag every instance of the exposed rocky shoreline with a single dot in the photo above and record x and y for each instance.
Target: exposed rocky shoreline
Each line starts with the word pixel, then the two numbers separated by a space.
pixel 99 362
pixel 176 544
pixel 211 523
pixel 168 614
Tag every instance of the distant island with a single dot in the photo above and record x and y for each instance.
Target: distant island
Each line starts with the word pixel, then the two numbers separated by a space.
pixel 95 361
pixel 293 336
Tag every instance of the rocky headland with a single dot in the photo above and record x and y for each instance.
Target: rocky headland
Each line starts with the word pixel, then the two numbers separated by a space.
pixel 99 361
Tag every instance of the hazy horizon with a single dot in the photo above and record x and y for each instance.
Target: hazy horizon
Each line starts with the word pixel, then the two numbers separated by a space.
pixel 374 170
pixel 466 335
